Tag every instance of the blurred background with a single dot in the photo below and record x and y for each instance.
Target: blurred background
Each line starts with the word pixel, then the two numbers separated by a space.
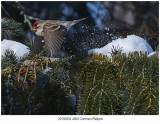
pixel 106 21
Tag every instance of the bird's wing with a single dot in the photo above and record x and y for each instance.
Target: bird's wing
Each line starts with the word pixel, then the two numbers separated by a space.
pixel 53 38
pixel 37 44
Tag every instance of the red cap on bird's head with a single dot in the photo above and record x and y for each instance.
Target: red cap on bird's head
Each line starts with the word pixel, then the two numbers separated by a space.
pixel 35 24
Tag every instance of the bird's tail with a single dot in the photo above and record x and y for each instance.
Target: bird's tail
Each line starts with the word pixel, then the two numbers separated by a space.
pixel 75 22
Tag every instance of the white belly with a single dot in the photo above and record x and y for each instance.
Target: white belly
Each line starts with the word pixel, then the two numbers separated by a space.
pixel 39 32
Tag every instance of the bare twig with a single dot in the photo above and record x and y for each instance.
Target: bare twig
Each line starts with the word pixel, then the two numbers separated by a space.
pixel 5 11
pixel 26 17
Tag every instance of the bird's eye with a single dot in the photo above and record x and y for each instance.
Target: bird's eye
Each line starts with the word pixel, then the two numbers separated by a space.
pixel 37 26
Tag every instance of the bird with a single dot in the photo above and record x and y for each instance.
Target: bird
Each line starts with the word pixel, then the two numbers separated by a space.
pixel 53 33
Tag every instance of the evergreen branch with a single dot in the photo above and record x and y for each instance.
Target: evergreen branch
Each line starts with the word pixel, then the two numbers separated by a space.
pixel 29 97
pixel 85 106
pixel 121 74
pixel 134 83
pixel 11 28
pixel 26 75
pixel 112 109
pixel 9 98
pixel 19 73
pixel 95 100
pixel 100 103
pixel 115 95
pixel 110 102
pixel 35 70
pixel 133 108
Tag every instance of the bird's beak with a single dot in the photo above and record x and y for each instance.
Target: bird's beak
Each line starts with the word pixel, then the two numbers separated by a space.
pixel 34 29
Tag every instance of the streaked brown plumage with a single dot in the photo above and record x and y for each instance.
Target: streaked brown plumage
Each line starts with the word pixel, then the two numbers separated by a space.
pixel 53 32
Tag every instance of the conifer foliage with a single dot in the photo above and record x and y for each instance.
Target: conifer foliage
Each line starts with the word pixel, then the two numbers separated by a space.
pixel 127 85
pixel 123 85
pixel 11 28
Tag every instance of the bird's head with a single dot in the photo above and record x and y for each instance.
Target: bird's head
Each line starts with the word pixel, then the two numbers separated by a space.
pixel 38 27
pixel 35 26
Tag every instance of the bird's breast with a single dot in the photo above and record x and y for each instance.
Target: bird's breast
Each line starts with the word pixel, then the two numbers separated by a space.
pixel 39 32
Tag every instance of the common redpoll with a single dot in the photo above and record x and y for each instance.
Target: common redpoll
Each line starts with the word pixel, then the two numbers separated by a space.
pixel 53 32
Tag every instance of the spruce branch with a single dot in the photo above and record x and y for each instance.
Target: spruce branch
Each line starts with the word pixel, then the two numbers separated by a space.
pixel 11 28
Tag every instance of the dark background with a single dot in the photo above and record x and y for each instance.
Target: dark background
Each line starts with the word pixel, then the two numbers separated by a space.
pixel 106 21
